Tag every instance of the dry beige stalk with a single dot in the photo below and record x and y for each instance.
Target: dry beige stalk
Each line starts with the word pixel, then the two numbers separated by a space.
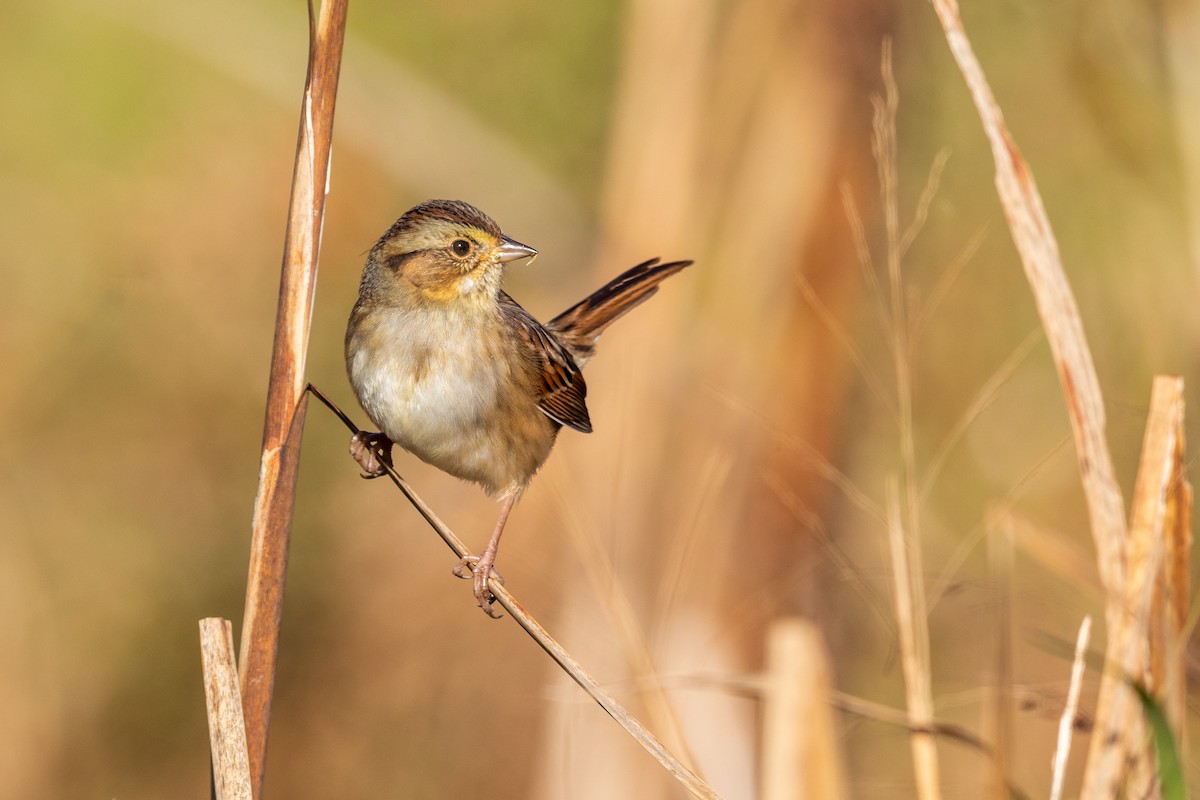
pixel 1038 249
pixel 226 729
pixel 1000 568
pixel 1066 723
pixel 801 758
pixel 904 514
pixel 1144 643
pixel 914 654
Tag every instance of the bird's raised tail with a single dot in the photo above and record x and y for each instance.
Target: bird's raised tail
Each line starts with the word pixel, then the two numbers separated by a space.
pixel 581 325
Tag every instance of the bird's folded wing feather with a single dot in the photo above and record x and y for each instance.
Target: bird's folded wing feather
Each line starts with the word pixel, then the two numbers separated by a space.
pixel 562 390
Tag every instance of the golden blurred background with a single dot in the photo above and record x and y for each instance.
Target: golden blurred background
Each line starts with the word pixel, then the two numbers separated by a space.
pixel 745 422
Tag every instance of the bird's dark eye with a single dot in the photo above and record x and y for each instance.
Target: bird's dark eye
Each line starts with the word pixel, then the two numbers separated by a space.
pixel 461 247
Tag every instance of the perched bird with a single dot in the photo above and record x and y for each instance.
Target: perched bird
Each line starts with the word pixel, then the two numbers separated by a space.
pixel 450 368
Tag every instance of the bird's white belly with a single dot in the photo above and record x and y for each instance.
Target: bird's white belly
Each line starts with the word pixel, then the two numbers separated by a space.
pixel 433 392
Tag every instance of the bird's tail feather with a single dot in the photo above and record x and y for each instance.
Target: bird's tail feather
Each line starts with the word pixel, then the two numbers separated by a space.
pixel 581 325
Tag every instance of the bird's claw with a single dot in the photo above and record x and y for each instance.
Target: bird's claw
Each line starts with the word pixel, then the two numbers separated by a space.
pixel 475 568
pixel 372 452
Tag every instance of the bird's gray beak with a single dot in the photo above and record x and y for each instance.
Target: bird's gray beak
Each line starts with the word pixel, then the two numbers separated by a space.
pixel 510 250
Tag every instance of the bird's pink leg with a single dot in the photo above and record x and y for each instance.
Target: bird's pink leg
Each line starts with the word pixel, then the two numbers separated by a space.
pixel 480 566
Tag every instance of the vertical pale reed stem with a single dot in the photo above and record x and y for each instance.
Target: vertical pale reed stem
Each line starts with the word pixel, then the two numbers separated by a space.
pixel 226 728
pixel 801 758
pixel 1067 723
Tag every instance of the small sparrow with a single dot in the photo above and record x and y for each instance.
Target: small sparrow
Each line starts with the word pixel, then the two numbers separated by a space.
pixel 450 368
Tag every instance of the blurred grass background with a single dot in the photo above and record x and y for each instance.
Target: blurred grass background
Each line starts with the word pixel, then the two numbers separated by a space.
pixel 145 155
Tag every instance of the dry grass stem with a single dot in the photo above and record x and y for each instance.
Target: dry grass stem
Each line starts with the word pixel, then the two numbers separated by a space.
pixel 801 756
pixel 844 339
pixel 695 785
pixel 946 280
pixel 624 620
pixel 1000 566
pixel 914 654
pixel 286 404
pixel 222 698
pixel 1066 723
pixel 846 568
pixel 690 781
pixel 1057 554
pixel 755 687
pixel 823 466
pixel 903 503
pixel 681 558
pixel 1120 758
pixel 1038 249
pixel 921 215
pixel 969 542
pixel 983 398
pixel 862 251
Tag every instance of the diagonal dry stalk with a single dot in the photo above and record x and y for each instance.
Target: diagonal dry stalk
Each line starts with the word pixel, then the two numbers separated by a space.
pixel 690 780
pixel 1145 644
pixel 286 397
pixel 1038 249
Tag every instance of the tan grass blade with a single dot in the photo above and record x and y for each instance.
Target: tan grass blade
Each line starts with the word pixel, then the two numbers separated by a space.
pixel 1057 554
pixel 1038 249
pixel 1066 723
pixel 903 504
pixel 226 728
pixel 1120 758
pixel 1000 569
pixel 914 653
pixel 624 621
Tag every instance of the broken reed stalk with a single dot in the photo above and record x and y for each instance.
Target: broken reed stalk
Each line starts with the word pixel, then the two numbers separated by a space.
pixel 286 398
pixel 1146 644
pixel 690 780
pixel 226 729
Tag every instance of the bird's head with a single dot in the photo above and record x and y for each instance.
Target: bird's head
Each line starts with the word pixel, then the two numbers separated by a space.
pixel 442 251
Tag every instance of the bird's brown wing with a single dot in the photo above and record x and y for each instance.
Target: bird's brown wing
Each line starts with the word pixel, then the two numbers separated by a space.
pixel 580 326
pixel 560 385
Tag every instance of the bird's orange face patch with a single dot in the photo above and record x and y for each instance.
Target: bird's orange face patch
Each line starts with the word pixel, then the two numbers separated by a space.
pixel 449 262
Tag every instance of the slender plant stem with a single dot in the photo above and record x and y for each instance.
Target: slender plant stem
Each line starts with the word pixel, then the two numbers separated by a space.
pixel 286 398
pixel 910 597
pixel 690 780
